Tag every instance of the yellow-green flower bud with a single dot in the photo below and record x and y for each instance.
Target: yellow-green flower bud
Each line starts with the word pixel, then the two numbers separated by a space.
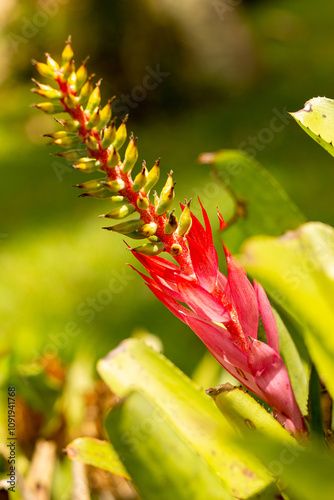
pixel 94 98
pixel 142 202
pixel 87 165
pixel 100 193
pixel 51 63
pixel 109 135
pixel 115 185
pixel 72 80
pixel 92 184
pixel 86 91
pixel 94 119
pixel 152 177
pixel 72 155
pixel 168 185
pixel 113 159
pixel 71 101
pixel 91 142
pixel 149 229
pixel 46 91
pixel 121 135
pixel 115 202
pixel 64 139
pixel 49 108
pixel 67 70
pixel 67 54
pixel 171 224
pixel 140 179
pixel 175 250
pixel 44 69
pixel 126 227
pixel 136 235
pixel 165 201
pixel 150 249
pixel 154 239
pixel 121 212
pixel 69 125
pixel 81 76
pixel 185 221
pixel 105 117
pixel 131 155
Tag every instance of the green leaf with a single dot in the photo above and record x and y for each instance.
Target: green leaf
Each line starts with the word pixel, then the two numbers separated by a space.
pixel 162 463
pixel 317 120
pixel 297 367
pixel 134 366
pixel 97 453
pixel 246 415
pixel 261 204
pixel 297 271
pixel 306 473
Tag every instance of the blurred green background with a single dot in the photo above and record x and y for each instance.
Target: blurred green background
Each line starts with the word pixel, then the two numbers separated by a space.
pixel 232 66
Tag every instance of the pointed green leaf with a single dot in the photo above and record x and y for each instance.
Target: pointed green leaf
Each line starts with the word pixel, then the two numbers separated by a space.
pixel 317 120
pixel 261 204
pixel 297 271
pixel 246 415
pixel 97 453
pixel 134 366
pixel 162 463
pixel 298 368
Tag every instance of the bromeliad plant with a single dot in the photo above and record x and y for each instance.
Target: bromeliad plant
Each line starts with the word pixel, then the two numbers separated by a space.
pixel 224 311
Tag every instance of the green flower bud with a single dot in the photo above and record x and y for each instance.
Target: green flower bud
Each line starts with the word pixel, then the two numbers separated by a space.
pixel 156 199
pixel 46 91
pixel 142 202
pixel 121 135
pixel 150 249
pixel 136 235
pixel 171 224
pixel 81 76
pixel 168 185
pixel 100 194
pixel 71 101
pixel 72 80
pixel 67 70
pixel 91 142
pixel 165 202
pixel 72 155
pixel 94 98
pixel 67 54
pixel 94 119
pixel 185 220
pixel 175 250
pixel 51 62
pixel 86 91
pixel 131 155
pixel 152 177
pixel 87 165
pixel 69 125
pixel 113 159
pixel 44 69
pixel 109 135
pixel 140 179
pixel 126 227
pixel 115 202
pixel 115 185
pixel 92 184
pixel 105 117
pixel 121 212
pixel 154 239
pixel 64 139
pixel 149 229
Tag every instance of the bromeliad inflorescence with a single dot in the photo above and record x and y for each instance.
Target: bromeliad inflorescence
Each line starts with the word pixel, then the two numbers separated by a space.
pixel 223 311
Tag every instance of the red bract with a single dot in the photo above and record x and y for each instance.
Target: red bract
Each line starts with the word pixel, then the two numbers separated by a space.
pixel 224 313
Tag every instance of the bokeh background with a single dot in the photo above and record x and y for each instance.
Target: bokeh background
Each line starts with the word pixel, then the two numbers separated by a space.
pixel 227 68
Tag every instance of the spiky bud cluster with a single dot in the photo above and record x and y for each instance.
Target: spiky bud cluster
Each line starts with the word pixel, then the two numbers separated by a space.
pixel 93 126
